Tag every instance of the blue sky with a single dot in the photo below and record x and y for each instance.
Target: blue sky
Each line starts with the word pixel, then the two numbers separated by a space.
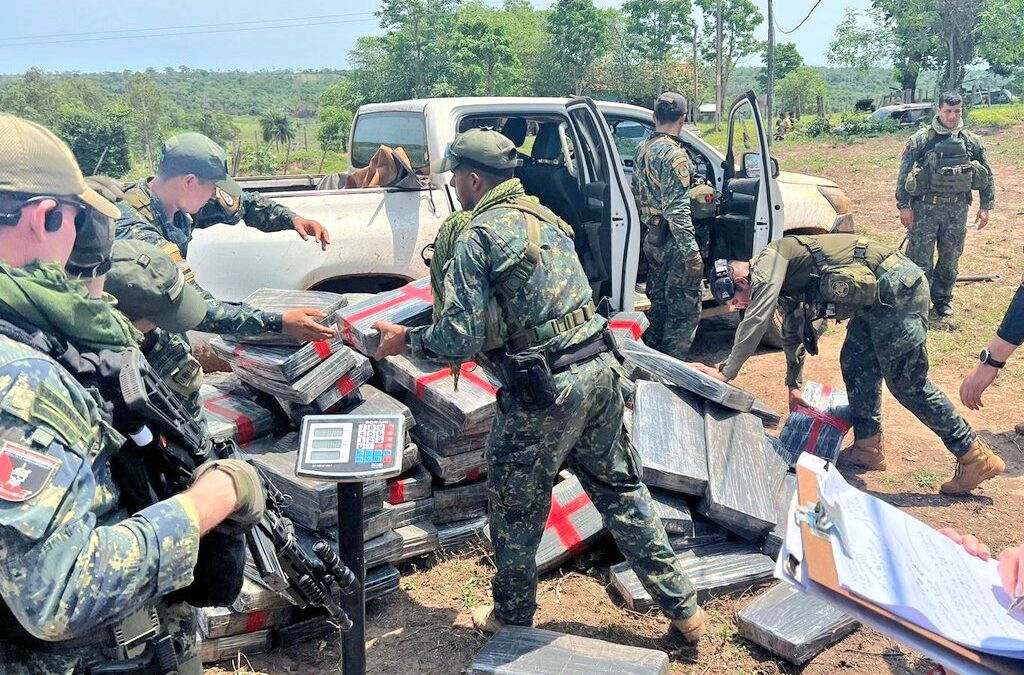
pixel 267 34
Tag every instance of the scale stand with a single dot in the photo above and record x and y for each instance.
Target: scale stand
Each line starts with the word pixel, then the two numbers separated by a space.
pixel 349 450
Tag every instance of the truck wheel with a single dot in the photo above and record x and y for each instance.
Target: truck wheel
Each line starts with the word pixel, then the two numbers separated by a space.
pixel 773 336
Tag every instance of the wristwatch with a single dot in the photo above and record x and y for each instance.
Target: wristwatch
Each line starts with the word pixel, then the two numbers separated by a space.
pixel 986 358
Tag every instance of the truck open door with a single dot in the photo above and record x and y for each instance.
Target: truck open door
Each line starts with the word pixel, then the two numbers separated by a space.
pixel 610 241
pixel 751 213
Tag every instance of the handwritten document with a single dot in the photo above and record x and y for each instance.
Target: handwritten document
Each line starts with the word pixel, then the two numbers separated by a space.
pixel 898 562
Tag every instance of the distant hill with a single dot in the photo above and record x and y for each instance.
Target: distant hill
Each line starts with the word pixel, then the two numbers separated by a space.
pixel 232 92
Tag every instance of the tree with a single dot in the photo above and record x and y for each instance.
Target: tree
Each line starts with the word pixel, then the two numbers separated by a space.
pixel 740 18
pixel 148 104
pixel 658 28
pixel 333 125
pixel 960 21
pixel 98 138
pixel 799 90
pixel 338 95
pixel 485 61
pixel 527 31
pixel 1001 42
pixel 577 38
pixel 787 59
pixel 418 40
pixel 277 127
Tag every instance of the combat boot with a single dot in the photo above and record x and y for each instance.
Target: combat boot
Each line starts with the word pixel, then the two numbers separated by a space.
pixel 864 453
pixel 485 621
pixel 693 627
pixel 974 468
pixel 944 311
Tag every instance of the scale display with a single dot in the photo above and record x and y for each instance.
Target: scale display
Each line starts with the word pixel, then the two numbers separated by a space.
pixel 346 448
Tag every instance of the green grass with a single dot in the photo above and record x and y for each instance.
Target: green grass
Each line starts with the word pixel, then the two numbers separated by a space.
pixel 926 479
pixel 996 115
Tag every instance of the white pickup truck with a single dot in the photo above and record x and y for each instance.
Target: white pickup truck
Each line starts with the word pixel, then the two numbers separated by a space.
pixel 579 165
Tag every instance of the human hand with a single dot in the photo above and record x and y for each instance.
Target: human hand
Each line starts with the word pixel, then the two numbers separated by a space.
pixel 796 399
pixel 693 270
pixel 301 324
pixel 970 543
pixel 249 503
pixel 711 371
pixel 1011 571
pixel 907 217
pixel 392 339
pixel 975 384
pixel 310 228
pixel 981 220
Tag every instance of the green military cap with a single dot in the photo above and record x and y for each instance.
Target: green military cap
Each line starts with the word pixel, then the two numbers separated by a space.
pixel 483 148
pixel 38 164
pixel 671 103
pixel 149 285
pixel 195 153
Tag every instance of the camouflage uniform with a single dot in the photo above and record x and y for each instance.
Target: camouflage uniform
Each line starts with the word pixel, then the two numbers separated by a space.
pixel 72 561
pixel 885 341
pixel 144 217
pixel 943 225
pixel 661 185
pixel 526 448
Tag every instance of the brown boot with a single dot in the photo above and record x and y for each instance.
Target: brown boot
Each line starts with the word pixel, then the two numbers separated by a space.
pixel 864 453
pixel 974 468
pixel 693 627
pixel 485 621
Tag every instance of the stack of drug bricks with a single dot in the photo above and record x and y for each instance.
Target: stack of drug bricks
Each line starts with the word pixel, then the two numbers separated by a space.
pixel 723 488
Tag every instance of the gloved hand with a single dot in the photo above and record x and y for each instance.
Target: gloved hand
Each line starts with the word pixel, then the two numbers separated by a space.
pixel 694 268
pixel 251 503
pixel 109 188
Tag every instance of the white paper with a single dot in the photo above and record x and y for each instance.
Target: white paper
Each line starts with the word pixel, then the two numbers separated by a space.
pixel 899 563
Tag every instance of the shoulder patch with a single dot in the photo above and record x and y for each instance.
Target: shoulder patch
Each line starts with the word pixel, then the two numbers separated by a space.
pixel 174 253
pixel 23 472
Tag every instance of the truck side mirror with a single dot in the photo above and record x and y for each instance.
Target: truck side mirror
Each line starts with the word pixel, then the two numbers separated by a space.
pixel 751 164
pixel 775 168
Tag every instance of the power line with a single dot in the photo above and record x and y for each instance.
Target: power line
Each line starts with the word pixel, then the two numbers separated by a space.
pixel 787 32
pixel 172 28
pixel 232 29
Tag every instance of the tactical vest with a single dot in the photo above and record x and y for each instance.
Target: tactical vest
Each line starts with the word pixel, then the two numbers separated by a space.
pixel 139 200
pixel 845 290
pixel 945 168
pixel 497 328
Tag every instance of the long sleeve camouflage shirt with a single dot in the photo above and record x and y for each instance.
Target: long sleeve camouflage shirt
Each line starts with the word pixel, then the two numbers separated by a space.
pixel 256 210
pixel 661 185
pixel 144 217
pixel 71 560
pixel 913 155
pixel 489 249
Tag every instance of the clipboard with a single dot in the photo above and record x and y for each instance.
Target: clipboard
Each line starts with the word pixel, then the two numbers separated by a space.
pixel 821 569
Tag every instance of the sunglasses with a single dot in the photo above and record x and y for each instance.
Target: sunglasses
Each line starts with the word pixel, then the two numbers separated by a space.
pixel 84 215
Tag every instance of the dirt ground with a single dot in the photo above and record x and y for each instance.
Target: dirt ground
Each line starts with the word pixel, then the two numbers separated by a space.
pixel 424 628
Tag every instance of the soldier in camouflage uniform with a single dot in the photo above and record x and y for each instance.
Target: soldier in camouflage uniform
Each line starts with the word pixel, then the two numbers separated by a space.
pixel 192 170
pixel 941 165
pixel 76 570
pixel 675 267
pixel 885 296
pixel 514 287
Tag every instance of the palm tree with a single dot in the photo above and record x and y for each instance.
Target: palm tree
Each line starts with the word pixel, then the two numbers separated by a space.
pixel 279 128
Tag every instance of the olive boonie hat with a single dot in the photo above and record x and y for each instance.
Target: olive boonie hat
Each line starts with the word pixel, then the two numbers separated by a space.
pixel 482 148
pixel 671 103
pixel 148 285
pixel 195 153
pixel 34 162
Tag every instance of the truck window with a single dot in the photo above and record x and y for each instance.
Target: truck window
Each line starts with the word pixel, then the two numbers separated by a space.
pixel 393 129
pixel 628 134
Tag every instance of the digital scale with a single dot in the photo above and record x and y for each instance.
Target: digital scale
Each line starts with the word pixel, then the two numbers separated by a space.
pixel 350 450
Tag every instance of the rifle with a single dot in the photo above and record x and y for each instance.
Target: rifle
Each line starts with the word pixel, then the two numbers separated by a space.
pixel 282 565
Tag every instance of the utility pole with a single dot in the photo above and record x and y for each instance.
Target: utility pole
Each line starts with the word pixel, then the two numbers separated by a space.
pixel 719 94
pixel 695 99
pixel 769 94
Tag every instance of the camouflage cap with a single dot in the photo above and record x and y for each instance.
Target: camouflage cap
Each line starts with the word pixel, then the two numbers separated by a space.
pixel 37 163
pixel 484 148
pixel 148 285
pixel 196 154
pixel 671 103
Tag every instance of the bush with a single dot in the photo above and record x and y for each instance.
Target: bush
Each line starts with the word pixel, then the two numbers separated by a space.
pixel 259 161
pixel 98 139
pixel 862 125
pixel 820 126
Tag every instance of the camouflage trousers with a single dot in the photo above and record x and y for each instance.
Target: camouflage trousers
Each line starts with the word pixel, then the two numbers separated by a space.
pixel 525 452
pixel 17 658
pixel 675 307
pixel 889 343
pixel 942 227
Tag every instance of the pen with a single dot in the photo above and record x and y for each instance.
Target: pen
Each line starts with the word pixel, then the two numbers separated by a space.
pixel 1018 602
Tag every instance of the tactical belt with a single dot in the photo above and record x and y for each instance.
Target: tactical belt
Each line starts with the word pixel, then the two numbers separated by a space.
pixel 585 351
pixel 935 199
pixel 551 329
